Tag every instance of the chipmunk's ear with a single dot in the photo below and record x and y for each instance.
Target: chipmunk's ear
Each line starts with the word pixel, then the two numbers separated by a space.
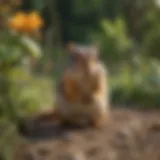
pixel 71 46
pixel 95 47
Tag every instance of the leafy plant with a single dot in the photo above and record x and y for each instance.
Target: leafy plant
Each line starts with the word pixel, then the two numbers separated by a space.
pixel 18 46
pixel 115 43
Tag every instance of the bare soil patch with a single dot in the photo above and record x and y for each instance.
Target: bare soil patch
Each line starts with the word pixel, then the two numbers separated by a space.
pixel 129 135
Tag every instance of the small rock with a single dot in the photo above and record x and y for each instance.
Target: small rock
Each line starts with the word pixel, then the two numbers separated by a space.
pixel 112 155
pixel 28 156
pixel 123 138
pixel 93 151
pixel 43 152
pixel 155 127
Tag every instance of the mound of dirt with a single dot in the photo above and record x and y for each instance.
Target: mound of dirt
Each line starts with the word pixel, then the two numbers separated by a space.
pixel 129 135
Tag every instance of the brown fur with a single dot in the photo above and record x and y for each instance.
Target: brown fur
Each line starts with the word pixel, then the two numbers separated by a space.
pixel 82 92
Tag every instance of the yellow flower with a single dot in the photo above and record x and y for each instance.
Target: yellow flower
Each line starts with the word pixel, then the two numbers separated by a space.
pixel 26 23
pixel 18 22
pixel 34 21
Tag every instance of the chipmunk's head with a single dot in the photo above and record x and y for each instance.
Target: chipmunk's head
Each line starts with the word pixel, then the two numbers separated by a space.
pixel 83 54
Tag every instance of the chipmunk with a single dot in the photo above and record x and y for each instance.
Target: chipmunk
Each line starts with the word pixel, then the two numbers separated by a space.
pixel 82 95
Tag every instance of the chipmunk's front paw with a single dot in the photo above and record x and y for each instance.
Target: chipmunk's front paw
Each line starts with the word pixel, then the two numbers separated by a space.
pixel 100 122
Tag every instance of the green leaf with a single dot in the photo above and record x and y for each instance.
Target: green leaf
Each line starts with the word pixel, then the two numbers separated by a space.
pixel 108 27
pixel 31 46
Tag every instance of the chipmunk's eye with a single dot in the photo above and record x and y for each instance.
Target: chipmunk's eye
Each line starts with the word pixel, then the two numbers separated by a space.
pixel 74 57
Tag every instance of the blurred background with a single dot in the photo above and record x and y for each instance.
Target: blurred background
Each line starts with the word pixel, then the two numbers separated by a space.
pixel 33 35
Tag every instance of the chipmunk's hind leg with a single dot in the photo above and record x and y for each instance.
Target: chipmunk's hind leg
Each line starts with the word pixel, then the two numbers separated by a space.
pixel 99 122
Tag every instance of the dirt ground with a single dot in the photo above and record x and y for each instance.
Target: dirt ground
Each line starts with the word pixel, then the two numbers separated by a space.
pixel 129 135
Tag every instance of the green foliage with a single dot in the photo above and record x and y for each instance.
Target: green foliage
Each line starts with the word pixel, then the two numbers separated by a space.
pixel 14 49
pixel 26 97
pixel 138 84
pixel 85 7
pixel 18 96
pixel 115 33
pixel 115 43
pixel 151 37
